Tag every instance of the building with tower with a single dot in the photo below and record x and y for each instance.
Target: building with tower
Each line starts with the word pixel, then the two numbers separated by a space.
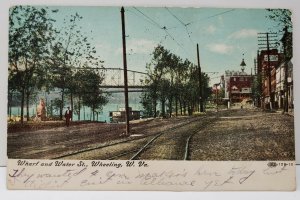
pixel 238 85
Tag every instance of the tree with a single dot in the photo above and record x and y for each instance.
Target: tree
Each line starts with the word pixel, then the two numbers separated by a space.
pixel 172 68
pixel 71 50
pixel 147 104
pixel 86 87
pixel 60 72
pixel 155 70
pixel 12 91
pixel 78 89
pixel 180 76
pixel 193 92
pixel 93 96
pixel 283 17
pixel 284 21
pixel 169 79
pixel 56 105
pixel 30 33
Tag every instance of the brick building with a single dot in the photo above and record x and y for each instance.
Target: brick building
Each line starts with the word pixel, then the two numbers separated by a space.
pixel 267 72
pixel 284 74
pixel 238 85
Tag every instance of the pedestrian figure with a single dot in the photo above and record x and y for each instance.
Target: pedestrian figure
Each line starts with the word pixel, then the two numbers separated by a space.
pixel 68 116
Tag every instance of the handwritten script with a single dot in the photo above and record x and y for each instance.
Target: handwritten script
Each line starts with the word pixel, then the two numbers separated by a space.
pixel 141 175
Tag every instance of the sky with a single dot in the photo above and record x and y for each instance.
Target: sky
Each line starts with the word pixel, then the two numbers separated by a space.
pixel 225 36
pixel 234 61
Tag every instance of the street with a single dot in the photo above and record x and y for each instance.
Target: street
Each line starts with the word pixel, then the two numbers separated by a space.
pixel 237 134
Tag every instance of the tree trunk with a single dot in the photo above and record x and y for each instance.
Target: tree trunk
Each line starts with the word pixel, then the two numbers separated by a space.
pixel 84 113
pixel 27 104
pixel 170 107
pixel 93 112
pixel 79 108
pixel 62 104
pixel 72 107
pixel 51 108
pixel 163 108
pixel 190 110
pixel 176 106
pixel 9 104
pixel 154 108
pixel 10 108
pixel 22 105
pixel 180 106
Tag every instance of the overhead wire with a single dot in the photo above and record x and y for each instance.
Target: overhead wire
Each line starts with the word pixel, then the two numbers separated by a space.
pixel 173 38
pixel 215 15
pixel 164 28
pixel 154 22
pixel 149 21
pixel 184 24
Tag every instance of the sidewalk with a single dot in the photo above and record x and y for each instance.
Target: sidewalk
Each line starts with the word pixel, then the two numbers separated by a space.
pixel 280 111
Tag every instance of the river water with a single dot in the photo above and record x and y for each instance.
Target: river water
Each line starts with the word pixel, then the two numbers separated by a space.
pixel 85 112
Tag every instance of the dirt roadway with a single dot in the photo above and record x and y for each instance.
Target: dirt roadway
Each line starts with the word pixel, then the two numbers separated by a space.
pixel 246 135
pixel 231 135
pixel 49 143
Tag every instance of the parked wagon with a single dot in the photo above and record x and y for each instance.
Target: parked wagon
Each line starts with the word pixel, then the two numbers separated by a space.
pixel 119 116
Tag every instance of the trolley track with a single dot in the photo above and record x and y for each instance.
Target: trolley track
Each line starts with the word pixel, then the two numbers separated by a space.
pixel 264 135
pixel 128 152
pixel 57 143
pixel 187 144
pixel 178 148
pixel 139 154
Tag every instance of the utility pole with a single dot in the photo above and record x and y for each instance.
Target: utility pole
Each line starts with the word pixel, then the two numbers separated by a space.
pixel 259 78
pixel 285 40
pixel 286 94
pixel 200 80
pixel 125 73
pixel 269 73
pixel 255 67
pixel 266 44
pixel 254 83
pixel 217 98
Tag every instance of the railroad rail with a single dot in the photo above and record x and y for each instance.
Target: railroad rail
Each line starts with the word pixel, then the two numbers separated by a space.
pixel 134 153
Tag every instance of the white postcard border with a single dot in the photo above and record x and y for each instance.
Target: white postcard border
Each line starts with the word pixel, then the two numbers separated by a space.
pixel 151 175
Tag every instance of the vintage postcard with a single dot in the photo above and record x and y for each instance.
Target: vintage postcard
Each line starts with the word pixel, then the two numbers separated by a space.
pixel 141 98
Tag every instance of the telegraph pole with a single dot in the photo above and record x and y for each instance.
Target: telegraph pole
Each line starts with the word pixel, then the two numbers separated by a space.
pixel 254 82
pixel 286 57
pixel 259 78
pixel 200 80
pixel 269 72
pixel 125 73
pixel 266 39
pixel 217 98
